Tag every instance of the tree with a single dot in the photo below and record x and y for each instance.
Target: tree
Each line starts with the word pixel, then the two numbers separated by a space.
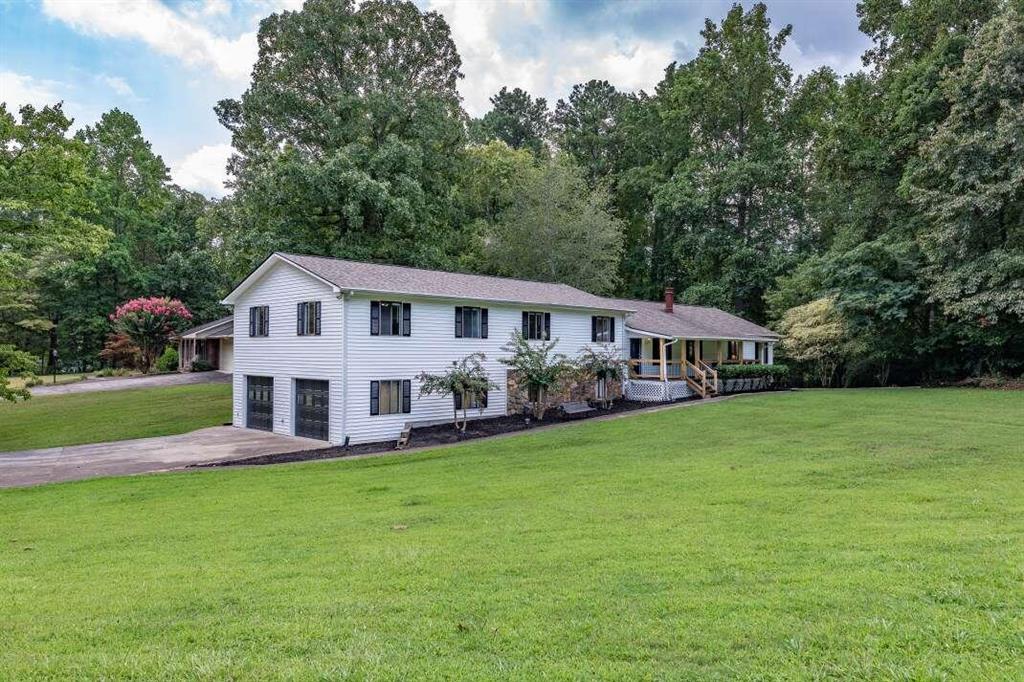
pixel 815 334
pixel 349 137
pixel 517 119
pixel 45 211
pixel 603 364
pixel 588 127
pixel 969 188
pixel 556 230
pixel 148 322
pixel 536 367
pixel 467 379
pixel 15 363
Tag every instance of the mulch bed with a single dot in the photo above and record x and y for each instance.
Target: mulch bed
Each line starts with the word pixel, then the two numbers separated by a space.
pixel 442 434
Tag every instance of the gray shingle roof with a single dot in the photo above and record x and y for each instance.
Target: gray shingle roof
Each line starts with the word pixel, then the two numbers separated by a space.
pixel 395 279
pixel 692 322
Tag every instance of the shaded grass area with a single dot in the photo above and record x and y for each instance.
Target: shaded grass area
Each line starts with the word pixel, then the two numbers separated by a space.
pixel 77 418
pixel 850 534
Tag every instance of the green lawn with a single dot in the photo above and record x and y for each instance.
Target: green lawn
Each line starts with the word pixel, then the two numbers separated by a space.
pixel 841 534
pixel 50 421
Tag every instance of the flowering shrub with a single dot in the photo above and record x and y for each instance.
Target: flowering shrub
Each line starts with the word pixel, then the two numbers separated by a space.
pixel 148 322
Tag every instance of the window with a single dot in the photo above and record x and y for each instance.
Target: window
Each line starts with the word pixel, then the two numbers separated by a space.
pixel 601 389
pixel 602 329
pixel 733 350
pixel 533 393
pixel 470 323
pixel 472 404
pixel 635 346
pixel 537 326
pixel 259 320
pixel 392 396
pixel 388 318
pixel 308 319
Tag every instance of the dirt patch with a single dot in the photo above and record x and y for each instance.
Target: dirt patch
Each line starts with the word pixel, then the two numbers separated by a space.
pixel 442 434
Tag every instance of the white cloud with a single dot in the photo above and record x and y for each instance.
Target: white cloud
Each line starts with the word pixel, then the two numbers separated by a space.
pixel 204 170
pixel 555 62
pixel 162 29
pixel 17 90
pixel 804 61
pixel 117 84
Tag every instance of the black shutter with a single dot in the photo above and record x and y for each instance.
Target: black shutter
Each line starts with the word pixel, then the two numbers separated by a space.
pixel 483 323
pixel 300 319
pixel 634 349
pixel 546 334
pixel 611 327
pixel 407 319
pixel 656 349
pixel 593 329
pixel 252 322
pixel 406 396
pixel 316 330
pixel 457 396
pixel 526 325
pixel 266 320
pixel 458 322
pixel 374 318
pixel 374 397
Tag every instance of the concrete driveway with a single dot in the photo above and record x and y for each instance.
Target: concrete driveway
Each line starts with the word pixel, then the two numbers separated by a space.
pixel 121 383
pixel 218 443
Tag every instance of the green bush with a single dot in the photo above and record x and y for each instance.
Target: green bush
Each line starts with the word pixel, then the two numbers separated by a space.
pixel 168 360
pixel 200 365
pixel 758 376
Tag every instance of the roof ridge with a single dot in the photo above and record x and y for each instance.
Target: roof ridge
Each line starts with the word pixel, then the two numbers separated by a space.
pixel 286 254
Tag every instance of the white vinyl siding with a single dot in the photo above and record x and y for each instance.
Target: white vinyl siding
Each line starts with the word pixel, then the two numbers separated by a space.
pixel 283 354
pixel 432 347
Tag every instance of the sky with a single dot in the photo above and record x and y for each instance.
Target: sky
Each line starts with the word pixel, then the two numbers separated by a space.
pixel 169 61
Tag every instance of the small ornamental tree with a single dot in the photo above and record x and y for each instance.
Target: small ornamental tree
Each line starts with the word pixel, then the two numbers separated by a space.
pixel 536 366
pixel 466 378
pixel 602 364
pixel 15 363
pixel 816 334
pixel 148 322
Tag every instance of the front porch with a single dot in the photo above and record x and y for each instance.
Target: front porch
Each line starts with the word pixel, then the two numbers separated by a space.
pixel 662 368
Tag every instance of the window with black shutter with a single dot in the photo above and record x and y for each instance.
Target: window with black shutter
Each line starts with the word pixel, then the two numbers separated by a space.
pixel 259 320
pixel 391 396
pixel 537 326
pixel 307 318
pixel 602 329
pixel 470 322
pixel 390 318
pixel 473 402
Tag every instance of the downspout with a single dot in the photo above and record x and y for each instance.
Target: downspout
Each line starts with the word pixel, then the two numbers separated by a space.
pixel 342 296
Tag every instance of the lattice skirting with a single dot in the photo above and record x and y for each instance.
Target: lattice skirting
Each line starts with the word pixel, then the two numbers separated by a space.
pixel 645 391
pixel 678 390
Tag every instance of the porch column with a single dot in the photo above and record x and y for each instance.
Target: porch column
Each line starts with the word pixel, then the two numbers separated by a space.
pixel 664 376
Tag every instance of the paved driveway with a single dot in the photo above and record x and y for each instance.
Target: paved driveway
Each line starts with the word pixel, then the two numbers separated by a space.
pixel 49 465
pixel 120 383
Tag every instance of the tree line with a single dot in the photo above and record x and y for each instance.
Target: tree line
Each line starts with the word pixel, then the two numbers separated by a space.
pixel 875 218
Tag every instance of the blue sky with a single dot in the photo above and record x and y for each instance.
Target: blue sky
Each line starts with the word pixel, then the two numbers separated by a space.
pixel 169 61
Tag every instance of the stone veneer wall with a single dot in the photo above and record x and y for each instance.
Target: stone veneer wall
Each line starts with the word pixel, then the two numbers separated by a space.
pixel 574 386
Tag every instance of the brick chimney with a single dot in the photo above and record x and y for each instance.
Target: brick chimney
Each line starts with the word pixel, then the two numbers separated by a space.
pixel 670 298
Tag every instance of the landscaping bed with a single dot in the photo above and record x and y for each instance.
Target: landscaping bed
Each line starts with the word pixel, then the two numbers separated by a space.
pixel 442 434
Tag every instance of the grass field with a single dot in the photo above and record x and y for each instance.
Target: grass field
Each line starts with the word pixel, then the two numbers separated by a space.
pixel 73 419
pixel 841 534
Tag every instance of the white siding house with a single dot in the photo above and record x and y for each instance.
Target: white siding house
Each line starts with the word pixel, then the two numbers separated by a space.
pixel 348 352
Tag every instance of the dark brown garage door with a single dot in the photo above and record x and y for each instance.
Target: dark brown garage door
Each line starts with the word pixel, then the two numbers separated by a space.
pixel 312 415
pixel 259 409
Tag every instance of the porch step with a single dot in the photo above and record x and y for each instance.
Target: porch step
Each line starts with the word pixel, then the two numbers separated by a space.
pixel 403 439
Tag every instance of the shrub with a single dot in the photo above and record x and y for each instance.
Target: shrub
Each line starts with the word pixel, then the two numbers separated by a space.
pixel 17 363
pixel 200 365
pixel 756 376
pixel 168 360
pixel 121 351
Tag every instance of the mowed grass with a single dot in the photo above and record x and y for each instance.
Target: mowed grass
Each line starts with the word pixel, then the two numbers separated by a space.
pixel 73 419
pixel 843 534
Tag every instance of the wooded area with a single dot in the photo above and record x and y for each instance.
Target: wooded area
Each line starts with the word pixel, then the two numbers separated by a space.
pixel 876 219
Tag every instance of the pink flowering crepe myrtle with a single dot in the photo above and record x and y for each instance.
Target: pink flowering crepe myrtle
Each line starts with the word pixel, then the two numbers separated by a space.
pixel 149 322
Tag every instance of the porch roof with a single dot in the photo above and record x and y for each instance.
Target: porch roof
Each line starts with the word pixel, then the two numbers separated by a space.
pixel 693 322
pixel 224 327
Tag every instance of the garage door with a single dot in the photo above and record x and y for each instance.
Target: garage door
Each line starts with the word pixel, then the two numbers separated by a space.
pixel 312 416
pixel 260 403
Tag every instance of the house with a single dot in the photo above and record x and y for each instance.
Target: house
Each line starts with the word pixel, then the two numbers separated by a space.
pixel 330 349
pixel 213 343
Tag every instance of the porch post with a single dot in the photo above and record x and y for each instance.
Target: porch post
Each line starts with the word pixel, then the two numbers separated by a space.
pixel 664 376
